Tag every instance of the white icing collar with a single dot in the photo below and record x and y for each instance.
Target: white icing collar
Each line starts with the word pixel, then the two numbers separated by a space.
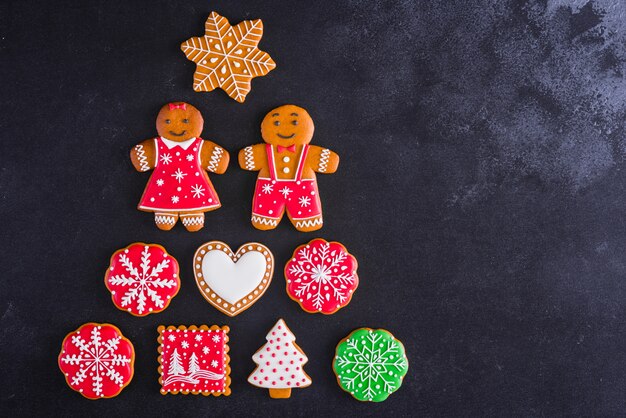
pixel 184 145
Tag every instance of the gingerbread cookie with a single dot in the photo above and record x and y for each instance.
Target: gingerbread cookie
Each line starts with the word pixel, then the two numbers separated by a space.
pixel 279 363
pixel 97 360
pixel 179 186
pixel 142 278
pixel 370 364
pixel 321 276
pixel 232 282
pixel 287 165
pixel 227 56
pixel 194 360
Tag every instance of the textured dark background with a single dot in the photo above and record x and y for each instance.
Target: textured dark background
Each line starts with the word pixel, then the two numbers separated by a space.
pixel 480 188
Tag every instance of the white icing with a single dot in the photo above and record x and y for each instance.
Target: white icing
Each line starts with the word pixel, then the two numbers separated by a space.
pixel 183 144
pixel 232 281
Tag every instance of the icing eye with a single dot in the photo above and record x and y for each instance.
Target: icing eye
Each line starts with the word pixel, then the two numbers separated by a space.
pixel 276 123
pixel 185 120
pixel 294 122
pixel 168 121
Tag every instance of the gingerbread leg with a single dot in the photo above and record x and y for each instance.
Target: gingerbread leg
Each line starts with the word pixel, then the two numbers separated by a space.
pixel 192 221
pixel 264 223
pixel 309 224
pixel 165 221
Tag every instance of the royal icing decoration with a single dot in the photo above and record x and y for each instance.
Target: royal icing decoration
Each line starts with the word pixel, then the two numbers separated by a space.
pixel 321 276
pixel 279 363
pixel 194 360
pixel 232 282
pixel 142 278
pixel 97 360
pixel 227 57
pixel 287 165
pixel 370 364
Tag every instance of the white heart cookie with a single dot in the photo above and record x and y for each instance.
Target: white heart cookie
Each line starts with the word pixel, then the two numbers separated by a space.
pixel 232 282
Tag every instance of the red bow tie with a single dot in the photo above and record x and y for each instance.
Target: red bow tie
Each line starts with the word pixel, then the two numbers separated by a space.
pixel 291 148
pixel 182 106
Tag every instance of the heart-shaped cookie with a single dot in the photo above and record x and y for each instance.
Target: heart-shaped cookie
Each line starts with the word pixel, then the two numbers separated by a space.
pixel 232 282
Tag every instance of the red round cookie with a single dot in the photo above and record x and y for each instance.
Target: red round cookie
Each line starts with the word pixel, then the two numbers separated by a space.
pixel 97 360
pixel 321 276
pixel 142 278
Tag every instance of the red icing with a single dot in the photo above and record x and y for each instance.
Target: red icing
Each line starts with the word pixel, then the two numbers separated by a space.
pixel 321 276
pixel 142 279
pixel 193 360
pixel 97 360
pixel 179 183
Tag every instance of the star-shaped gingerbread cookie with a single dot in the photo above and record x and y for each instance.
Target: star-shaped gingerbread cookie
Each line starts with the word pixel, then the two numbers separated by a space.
pixel 227 56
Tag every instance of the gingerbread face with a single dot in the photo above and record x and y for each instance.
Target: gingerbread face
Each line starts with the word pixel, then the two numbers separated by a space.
pixel 287 125
pixel 179 122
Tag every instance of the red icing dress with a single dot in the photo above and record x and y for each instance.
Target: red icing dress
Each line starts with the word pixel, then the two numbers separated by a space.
pixel 178 183
pixel 299 196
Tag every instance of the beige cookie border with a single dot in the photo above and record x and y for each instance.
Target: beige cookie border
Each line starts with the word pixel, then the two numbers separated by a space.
pixel 280 392
pixel 251 298
pixel 132 360
pixel 167 303
pixel 227 379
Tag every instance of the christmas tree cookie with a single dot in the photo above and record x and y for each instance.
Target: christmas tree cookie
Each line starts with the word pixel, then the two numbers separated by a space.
pixel 194 360
pixel 227 57
pixel 279 363
pixel 97 360
pixel 321 276
pixel 142 278
pixel 179 187
pixel 370 364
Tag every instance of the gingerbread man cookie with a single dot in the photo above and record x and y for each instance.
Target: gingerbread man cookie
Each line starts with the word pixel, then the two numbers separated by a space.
pixel 179 186
pixel 287 165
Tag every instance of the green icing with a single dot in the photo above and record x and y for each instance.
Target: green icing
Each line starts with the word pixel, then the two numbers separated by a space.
pixel 370 364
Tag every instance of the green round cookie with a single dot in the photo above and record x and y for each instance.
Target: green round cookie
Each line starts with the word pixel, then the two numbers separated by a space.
pixel 370 364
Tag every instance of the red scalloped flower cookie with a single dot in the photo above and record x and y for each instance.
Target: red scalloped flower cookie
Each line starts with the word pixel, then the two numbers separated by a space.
pixel 97 360
pixel 321 276
pixel 142 278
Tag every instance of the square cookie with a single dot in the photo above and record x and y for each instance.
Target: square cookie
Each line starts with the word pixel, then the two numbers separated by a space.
pixel 194 360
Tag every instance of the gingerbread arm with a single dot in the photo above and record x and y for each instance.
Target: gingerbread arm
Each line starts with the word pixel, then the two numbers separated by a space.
pixel 322 160
pixel 214 158
pixel 253 158
pixel 143 155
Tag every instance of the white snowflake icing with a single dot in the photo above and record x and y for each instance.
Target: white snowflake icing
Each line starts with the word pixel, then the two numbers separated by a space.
pixel 179 175
pixel 198 337
pixel 189 157
pixel 166 159
pixel 142 282
pixel 160 182
pixel 285 191
pixel 172 338
pixel 175 199
pixel 268 188
pixel 304 201
pixel 184 344
pixel 320 272
pixel 216 338
pixel 197 190
pixel 97 360
pixel 206 350
pixel 371 366
pixel 214 363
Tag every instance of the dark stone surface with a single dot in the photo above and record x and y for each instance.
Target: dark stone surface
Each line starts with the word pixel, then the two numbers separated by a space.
pixel 480 188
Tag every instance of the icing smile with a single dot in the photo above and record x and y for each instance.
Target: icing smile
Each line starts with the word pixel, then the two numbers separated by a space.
pixel 180 134
pixel 286 137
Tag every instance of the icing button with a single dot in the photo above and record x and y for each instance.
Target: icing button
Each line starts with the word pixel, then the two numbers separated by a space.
pixel 286 159
pixel 286 170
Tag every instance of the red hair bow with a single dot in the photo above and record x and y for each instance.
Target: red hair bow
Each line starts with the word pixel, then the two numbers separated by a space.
pixel 182 106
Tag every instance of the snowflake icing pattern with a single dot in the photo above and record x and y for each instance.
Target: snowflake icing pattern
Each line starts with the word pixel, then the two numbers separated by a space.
pixel 285 191
pixel 166 159
pixel 370 364
pixel 179 175
pixel 322 276
pixel 98 361
pixel 268 188
pixel 197 191
pixel 305 201
pixel 146 288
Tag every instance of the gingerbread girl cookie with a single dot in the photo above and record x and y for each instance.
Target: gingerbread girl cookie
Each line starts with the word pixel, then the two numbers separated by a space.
pixel 287 165
pixel 179 185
